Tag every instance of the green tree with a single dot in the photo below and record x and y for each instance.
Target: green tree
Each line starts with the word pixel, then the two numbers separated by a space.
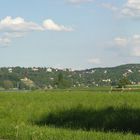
pixel 7 84
pixel 123 82
pixel 63 82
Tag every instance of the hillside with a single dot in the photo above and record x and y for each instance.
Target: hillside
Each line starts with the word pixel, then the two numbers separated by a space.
pixel 48 78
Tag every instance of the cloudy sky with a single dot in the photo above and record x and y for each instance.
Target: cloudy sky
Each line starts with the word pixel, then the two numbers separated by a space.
pixel 75 34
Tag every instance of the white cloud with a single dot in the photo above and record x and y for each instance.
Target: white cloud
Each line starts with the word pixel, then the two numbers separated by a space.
pixel 136 52
pixel 4 41
pixel 109 6
pixel 121 41
pixel 136 40
pixel 51 25
pixel 136 45
pixel 11 28
pixel 131 8
pixel 94 61
pixel 14 34
pixel 18 24
pixel 7 37
pixel 129 45
pixel 79 1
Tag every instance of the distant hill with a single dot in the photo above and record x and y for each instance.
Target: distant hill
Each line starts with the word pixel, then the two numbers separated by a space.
pixel 37 77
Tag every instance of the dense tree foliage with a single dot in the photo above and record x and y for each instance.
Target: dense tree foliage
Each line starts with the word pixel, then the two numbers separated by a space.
pixel 48 78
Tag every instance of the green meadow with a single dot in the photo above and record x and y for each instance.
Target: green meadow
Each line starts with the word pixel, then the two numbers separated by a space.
pixel 69 115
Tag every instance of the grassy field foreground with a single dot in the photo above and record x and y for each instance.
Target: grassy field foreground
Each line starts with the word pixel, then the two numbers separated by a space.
pixel 74 115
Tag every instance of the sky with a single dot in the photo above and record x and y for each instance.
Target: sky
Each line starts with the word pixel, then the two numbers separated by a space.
pixel 77 34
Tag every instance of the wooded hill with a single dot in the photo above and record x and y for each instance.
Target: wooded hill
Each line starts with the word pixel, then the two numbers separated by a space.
pixel 48 78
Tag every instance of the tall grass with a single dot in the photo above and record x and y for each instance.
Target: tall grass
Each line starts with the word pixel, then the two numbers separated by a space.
pixel 74 115
pixel 109 119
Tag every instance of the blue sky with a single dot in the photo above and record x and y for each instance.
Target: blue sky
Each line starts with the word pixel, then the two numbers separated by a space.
pixel 76 34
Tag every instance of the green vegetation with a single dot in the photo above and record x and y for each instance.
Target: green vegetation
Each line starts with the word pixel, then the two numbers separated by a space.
pixel 69 115
pixel 123 82
pixel 7 84
pixel 50 78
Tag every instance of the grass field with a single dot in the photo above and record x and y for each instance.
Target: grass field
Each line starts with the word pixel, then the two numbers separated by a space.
pixel 69 115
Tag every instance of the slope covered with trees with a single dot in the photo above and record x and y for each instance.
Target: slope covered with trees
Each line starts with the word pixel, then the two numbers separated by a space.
pixel 48 78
